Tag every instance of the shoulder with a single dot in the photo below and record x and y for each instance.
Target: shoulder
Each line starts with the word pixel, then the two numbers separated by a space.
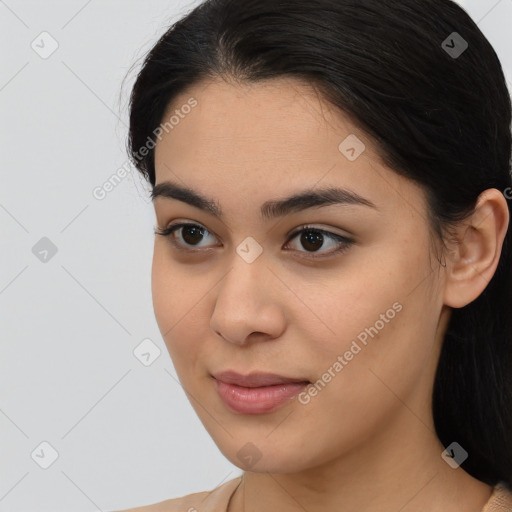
pixel 215 500
pixel 500 500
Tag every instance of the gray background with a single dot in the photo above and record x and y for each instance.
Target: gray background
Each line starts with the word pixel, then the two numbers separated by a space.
pixel 122 427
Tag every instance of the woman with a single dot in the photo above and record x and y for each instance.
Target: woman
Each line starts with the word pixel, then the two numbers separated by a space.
pixel 332 266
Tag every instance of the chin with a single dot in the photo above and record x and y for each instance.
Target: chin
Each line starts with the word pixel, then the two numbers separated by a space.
pixel 265 456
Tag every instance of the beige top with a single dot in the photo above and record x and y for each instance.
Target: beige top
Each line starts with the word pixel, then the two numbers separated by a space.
pixel 217 500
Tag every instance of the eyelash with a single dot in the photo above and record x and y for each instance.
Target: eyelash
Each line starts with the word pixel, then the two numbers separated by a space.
pixel 344 241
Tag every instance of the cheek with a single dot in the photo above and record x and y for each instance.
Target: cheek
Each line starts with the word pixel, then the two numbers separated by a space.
pixel 176 288
pixel 380 316
pixel 178 294
pixel 170 294
pixel 383 359
pixel 164 287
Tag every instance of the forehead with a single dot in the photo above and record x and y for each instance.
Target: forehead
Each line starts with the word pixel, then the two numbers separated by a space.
pixel 287 118
pixel 268 139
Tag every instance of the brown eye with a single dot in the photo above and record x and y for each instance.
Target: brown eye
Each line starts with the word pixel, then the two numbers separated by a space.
pixel 192 234
pixel 313 239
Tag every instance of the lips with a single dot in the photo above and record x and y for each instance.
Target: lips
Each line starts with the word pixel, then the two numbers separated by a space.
pixel 255 379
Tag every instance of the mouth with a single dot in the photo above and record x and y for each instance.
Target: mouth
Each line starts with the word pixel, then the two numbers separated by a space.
pixel 256 379
pixel 257 393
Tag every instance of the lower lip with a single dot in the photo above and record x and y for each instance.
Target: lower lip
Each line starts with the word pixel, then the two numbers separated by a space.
pixel 257 400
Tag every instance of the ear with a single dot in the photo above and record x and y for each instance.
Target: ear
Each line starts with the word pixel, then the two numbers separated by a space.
pixel 474 257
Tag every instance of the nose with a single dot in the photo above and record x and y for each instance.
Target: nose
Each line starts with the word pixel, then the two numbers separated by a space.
pixel 248 303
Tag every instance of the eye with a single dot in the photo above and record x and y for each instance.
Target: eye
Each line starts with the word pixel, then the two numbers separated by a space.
pixel 312 238
pixel 191 234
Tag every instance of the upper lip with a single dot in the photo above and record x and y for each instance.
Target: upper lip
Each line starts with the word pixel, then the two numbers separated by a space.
pixel 254 379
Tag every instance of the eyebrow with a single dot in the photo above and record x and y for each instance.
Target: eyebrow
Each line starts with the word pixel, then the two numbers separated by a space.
pixel 303 200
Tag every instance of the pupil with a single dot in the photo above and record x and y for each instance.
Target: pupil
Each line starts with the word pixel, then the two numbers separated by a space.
pixel 198 231
pixel 313 237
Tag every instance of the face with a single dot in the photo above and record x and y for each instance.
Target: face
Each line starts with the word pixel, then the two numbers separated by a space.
pixel 351 306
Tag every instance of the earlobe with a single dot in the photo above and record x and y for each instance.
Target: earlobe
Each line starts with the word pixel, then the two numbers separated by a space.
pixel 473 260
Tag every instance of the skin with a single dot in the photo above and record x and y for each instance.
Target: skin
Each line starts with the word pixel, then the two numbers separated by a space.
pixel 367 441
